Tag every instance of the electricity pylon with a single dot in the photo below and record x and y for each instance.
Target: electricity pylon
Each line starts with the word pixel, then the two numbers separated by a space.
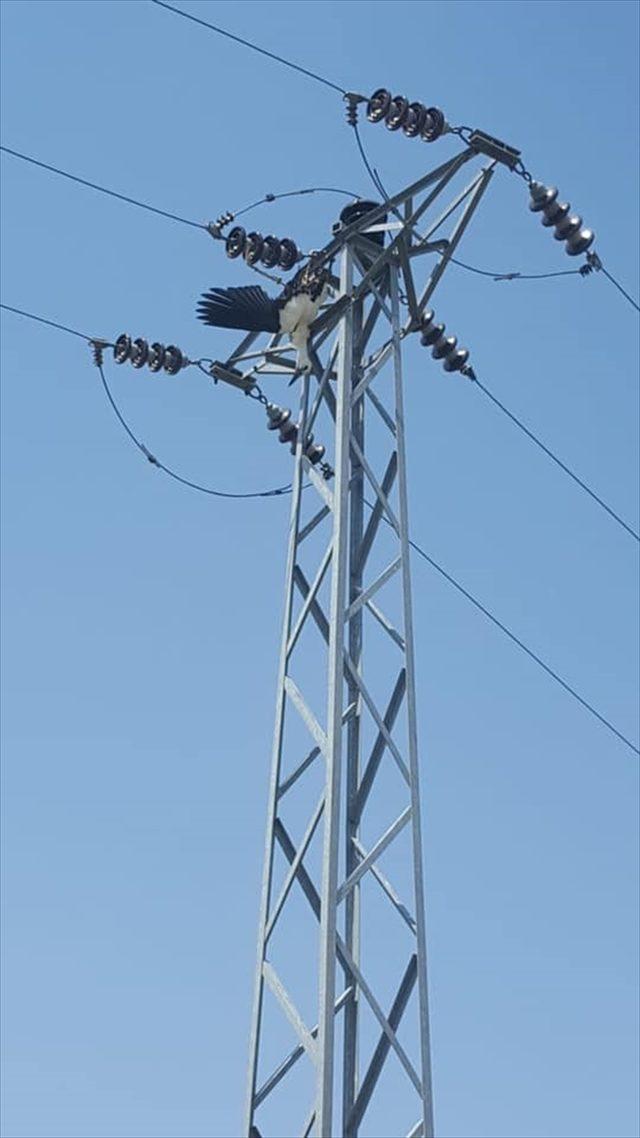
pixel 341 971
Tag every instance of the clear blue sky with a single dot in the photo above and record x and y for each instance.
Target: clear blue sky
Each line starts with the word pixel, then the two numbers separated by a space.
pixel 141 619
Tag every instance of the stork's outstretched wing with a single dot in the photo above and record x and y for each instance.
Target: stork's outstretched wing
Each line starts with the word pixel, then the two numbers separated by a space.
pixel 248 308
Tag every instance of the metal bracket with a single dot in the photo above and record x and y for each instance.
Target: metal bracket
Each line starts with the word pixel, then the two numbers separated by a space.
pixel 494 148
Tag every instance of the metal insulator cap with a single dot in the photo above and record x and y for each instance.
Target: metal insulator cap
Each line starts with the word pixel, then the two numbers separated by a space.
pixel 395 116
pixel 173 360
pixel 156 357
pixel 234 244
pixel 139 352
pixel 288 431
pixel 537 190
pixel 554 213
pixel 315 452
pixel 456 360
pixel 122 348
pixel 414 120
pixel 544 199
pixel 444 347
pixel 270 252
pixel 378 105
pixel 432 334
pixel 288 254
pixel 434 124
pixel 276 415
pixel 253 248
pixel 567 227
pixel 580 242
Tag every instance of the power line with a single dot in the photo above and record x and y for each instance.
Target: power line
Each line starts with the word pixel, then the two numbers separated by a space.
pixel 101 189
pixel 375 178
pixel 584 271
pixel 619 288
pixel 281 490
pixel 278 491
pixel 253 46
pixel 41 320
pixel 554 458
pixel 285 489
pixel 520 643
pixel 377 182
pixel 485 390
pixel 373 174
pixel 516 639
pixel 515 276
pixel 267 198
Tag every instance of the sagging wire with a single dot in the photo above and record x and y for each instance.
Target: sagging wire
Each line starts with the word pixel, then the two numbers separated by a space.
pixel 253 46
pixel 97 346
pixel 516 640
pixel 278 491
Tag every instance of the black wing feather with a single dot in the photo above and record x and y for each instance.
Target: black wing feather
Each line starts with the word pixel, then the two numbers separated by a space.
pixel 248 308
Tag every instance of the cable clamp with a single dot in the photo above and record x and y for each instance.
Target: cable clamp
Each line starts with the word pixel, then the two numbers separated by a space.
pixel 352 100
pixel 147 453
pixel 97 348
pixel 214 228
pixel 593 263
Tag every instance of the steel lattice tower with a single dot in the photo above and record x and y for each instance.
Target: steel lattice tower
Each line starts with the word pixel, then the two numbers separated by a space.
pixel 341 971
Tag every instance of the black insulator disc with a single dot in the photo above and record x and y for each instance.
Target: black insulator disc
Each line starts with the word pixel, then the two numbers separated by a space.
pixel 173 359
pixel 288 254
pixel 580 242
pixel 434 124
pixel 277 416
pixel 235 242
pixel 543 200
pixel 537 190
pixel 567 227
pixel 395 116
pixel 288 430
pixel 554 213
pixel 156 356
pixel 427 319
pixel 414 120
pixel 378 105
pixel 122 348
pixel 456 360
pixel 139 353
pixel 314 452
pixel 430 335
pixel 445 346
pixel 270 252
pixel 253 248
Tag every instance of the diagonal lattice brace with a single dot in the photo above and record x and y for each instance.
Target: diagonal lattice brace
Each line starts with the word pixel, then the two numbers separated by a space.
pixel 297 861
pixel 387 889
pixel 292 1058
pixel 373 855
pixel 382 1050
pixel 377 752
pixel 349 965
pixel 290 1010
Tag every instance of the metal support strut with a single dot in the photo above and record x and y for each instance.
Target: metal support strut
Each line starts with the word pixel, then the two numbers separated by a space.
pixel 340 1023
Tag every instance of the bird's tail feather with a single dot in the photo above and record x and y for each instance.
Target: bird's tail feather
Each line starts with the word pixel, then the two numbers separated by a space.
pixel 249 309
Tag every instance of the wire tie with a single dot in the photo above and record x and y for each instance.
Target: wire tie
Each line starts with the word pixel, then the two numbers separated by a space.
pixel 151 457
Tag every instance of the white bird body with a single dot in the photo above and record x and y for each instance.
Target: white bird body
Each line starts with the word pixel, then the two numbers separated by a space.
pixel 296 317
pixel 292 313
